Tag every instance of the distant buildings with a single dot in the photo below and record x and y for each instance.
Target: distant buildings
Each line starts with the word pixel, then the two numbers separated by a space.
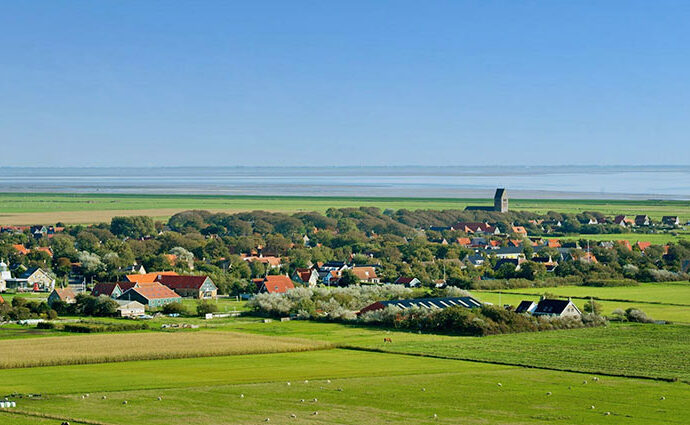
pixel 500 203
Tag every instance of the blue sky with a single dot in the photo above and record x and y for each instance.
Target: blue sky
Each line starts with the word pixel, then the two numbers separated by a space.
pixel 170 83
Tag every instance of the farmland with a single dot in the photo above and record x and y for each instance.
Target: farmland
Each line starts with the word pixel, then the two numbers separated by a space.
pixel 33 208
pixel 140 345
pixel 349 388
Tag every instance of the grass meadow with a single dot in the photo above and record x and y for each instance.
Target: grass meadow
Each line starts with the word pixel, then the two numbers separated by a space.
pixel 349 387
pixel 48 208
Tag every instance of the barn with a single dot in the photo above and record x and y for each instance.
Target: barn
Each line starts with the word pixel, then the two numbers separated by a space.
pixel 190 286
pixel 152 295
pixel 427 303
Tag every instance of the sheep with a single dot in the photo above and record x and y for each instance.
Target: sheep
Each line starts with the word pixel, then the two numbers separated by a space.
pixel 339 389
pixel 328 381
pixel 306 381
pixel 592 407
pixel 103 398
pixel 241 395
pixel 315 400
pixel 267 420
pixel 423 389
pixel 435 416
pixel 160 398
pixel 595 379
pixel 293 416
pixel 124 401
pixel 607 413
pixel 662 398
pixel 548 393
pixel 584 382
pixel 315 413
pixel 500 385
pixel 288 384
pixel 301 401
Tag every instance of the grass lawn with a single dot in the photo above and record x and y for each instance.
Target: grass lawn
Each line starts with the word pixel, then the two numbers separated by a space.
pixel 669 293
pixel 654 238
pixel 33 208
pixel 375 388
pixel 673 313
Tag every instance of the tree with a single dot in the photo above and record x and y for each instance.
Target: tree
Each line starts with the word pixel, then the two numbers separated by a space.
pixel 205 306
pixel 592 306
pixel 348 278
pixel 91 264
pixel 132 227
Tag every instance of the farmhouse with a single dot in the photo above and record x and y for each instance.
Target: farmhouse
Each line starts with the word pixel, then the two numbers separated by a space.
pixel 190 286
pixel 152 295
pixel 560 308
pixel 308 277
pixel 642 220
pixel 366 274
pixel 62 294
pixel 500 203
pixel 112 290
pixel 34 278
pixel 476 227
pixel 274 284
pixel 526 307
pixel 130 308
pixel 425 303
pixel 410 282
pixel 670 220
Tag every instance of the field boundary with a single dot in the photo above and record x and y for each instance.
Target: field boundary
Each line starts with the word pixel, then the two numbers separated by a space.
pixel 527 366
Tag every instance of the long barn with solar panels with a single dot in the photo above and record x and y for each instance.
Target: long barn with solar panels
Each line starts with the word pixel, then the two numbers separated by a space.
pixel 429 303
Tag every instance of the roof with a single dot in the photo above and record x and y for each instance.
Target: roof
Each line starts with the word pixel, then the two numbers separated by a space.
pixel 104 289
pixel 64 293
pixel 364 273
pixel 304 274
pixel 21 249
pixel 29 272
pixel 519 229
pixel 524 306
pixel 551 306
pixel 464 241
pixel 271 260
pixel 153 291
pixel 500 192
pixel 148 277
pixel 276 284
pixel 467 302
pixel 643 245
pixel 182 282
pixel 405 280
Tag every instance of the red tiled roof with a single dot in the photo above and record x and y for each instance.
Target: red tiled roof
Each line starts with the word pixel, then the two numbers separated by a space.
pixel 464 241
pixel 364 273
pixel 64 293
pixel 519 230
pixel 21 249
pixel 182 282
pixel 104 289
pixel 643 245
pixel 276 284
pixel 553 243
pixel 404 280
pixel 148 277
pixel 156 291
pixel 304 274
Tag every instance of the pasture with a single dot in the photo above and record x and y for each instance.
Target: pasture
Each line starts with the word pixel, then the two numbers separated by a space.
pixel 654 238
pixel 342 386
pixel 48 208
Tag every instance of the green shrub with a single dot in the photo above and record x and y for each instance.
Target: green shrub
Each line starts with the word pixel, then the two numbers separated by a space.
pixel 205 306
pixel 174 308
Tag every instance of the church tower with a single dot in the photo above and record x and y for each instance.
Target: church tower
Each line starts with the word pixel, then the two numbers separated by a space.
pixel 501 200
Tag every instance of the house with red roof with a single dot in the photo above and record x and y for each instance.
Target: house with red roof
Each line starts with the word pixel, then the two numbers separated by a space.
pixel 366 274
pixel 625 243
pixel 62 294
pixel 107 289
pixel 308 277
pixel 274 284
pixel 147 277
pixel 642 245
pixel 190 286
pixel 152 295
pixel 520 230
pixel 553 243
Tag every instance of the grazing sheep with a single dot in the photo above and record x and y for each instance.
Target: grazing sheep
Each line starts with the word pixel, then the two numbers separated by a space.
pixel 549 393
pixel 500 385
pixel 662 398
pixel 584 382
pixel 435 416
pixel 595 379
pixel 315 400
pixel 315 413
pixel 86 395
pixel 124 402
pixel 607 413
pixel 328 381
pixel 306 381
pixel 65 423
pixel 241 395
pixel 160 398
pixel 423 389
pixel 339 389
pixel 293 416
pixel 288 384
pixel 592 407
pixel 267 420
pixel 301 401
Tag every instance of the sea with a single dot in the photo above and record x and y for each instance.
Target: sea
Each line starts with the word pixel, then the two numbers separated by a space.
pixel 532 182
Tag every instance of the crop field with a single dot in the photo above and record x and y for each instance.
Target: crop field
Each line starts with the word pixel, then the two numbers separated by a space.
pixel 35 208
pixel 97 348
pixel 340 386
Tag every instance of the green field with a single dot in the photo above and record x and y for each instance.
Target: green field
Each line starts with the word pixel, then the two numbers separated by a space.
pixel 27 208
pixel 654 238
pixel 372 388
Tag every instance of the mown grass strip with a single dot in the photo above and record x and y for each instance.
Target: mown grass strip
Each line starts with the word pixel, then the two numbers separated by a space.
pixel 55 417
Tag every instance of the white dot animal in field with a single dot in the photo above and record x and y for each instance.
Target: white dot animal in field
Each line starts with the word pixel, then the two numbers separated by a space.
pixel 607 413
pixel 423 389
pixel 584 382
pixel 315 413
pixel 124 402
pixel 595 379
pixel 293 416
pixel 435 416
pixel 339 389
pixel 86 395
pixel 499 384
pixel 160 398
pixel 315 400
pixel 241 395
pixel 306 381
pixel 301 401
pixel 288 384
pixel 549 393
pixel 104 397
pixel 662 398
pixel 328 381
pixel 267 420
pixel 592 407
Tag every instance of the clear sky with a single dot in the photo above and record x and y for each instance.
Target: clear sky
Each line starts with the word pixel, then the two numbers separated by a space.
pixel 98 83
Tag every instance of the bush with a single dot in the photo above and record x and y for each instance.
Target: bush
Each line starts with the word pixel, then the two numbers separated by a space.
pixel 592 306
pixel 92 327
pixel 610 283
pixel 204 307
pixel 175 308
pixel 635 315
